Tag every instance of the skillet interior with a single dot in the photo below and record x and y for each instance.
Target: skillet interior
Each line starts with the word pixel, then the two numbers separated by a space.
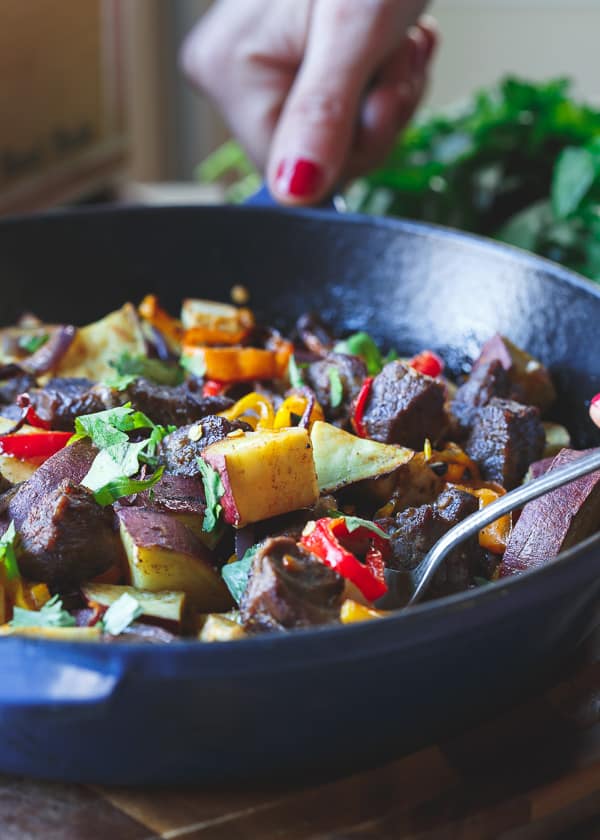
pixel 409 285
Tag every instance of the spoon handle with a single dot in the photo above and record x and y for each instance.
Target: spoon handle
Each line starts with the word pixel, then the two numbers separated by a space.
pixel 505 504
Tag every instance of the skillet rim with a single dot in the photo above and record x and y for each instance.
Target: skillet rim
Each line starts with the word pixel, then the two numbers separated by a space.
pixel 452 604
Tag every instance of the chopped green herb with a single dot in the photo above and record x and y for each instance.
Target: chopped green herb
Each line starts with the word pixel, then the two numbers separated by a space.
pixel 8 551
pixel 115 462
pixel 481 581
pixel 109 427
pixel 52 614
pixel 158 434
pixel 213 490
pixel 120 383
pixel 391 356
pixel 120 614
pixel 354 522
pixel 295 373
pixel 361 344
pixel 194 364
pixel 123 486
pixel 236 574
pixel 31 343
pixel 130 367
pixel 336 389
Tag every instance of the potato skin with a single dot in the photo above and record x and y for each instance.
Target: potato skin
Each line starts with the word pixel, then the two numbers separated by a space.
pixel 163 554
pixel 264 474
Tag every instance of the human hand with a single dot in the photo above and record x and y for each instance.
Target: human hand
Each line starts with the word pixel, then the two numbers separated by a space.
pixel 316 90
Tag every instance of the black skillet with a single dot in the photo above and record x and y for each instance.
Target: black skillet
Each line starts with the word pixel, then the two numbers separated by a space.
pixel 329 700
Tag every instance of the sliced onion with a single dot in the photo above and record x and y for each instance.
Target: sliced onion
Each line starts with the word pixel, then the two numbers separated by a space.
pixel 50 353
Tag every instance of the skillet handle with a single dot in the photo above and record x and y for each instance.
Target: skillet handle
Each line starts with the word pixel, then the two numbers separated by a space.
pixel 263 198
pixel 60 674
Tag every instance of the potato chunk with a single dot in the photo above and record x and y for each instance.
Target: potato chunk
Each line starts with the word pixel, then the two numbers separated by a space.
pixel 264 474
pixel 162 554
pixel 342 458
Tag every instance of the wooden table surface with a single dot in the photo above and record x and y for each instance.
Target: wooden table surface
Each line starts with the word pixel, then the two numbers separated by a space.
pixel 532 772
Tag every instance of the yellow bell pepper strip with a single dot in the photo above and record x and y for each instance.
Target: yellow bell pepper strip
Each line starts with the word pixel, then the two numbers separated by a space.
pixel 351 612
pixel 298 405
pixel 458 462
pixel 327 539
pixel 254 409
pixel 171 328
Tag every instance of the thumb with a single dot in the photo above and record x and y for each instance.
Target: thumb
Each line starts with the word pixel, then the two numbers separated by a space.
pixel 347 41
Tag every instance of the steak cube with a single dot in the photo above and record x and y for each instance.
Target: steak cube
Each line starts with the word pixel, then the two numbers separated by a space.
pixel 289 587
pixel 505 438
pixel 405 407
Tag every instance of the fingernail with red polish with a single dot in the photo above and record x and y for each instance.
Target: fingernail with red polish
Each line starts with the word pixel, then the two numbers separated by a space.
pixel 595 400
pixel 299 178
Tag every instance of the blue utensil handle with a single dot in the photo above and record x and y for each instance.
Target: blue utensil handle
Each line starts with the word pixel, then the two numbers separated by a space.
pixel 263 198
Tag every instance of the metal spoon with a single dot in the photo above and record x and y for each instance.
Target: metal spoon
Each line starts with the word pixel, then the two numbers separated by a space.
pixel 407 588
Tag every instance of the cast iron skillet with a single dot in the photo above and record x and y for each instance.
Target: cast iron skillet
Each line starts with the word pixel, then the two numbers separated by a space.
pixel 333 699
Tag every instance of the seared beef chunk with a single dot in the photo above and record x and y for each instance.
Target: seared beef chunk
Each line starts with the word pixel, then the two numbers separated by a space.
pixel 314 334
pixel 289 587
pixel 405 407
pixel 177 493
pixel 486 381
pixel 72 462
pixel 60 401
pixel 139 632
pixel 67 538
pixel 351 371
pixel 505 438
pixel 530 381
pixel 556 521
pixel 180 450
pixel 414 531
pixel 173 405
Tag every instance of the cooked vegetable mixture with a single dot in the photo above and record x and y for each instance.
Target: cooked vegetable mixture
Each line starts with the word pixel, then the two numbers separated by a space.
pixel 206 477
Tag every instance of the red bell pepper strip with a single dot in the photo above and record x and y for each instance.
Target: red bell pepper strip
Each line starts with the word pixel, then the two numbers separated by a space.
pixel 324 539
pixel 37 445
pixel 359 407
pixel 428 363
pixel 212 388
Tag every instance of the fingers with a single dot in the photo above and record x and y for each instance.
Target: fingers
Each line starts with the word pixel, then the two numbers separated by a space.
pixel 245 56
pixel 393 99
pixel 347 41
pixel 595 409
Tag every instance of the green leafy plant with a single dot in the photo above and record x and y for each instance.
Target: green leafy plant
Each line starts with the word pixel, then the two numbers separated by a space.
pixel 519 161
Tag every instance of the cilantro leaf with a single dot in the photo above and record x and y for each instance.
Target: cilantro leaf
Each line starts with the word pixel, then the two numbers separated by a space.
pixel 8 551
pixel 120 614
pixel 354 522
pixel 361 344
pixel 118 461
pixel 106 428
pixel 236 574
pixel 295 373
pixel 129 368
pixel 158 434
pixel 51 614
pixel 213 490
pixel 336 389
pixel 31 343
pixel 124 486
